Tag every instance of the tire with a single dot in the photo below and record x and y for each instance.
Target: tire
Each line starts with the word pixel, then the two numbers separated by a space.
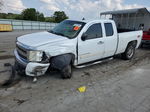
pixel 141 45
pixel 66 72
pixel 129 52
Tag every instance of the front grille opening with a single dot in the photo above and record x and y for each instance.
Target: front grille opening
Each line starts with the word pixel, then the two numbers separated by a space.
pixel 22 52
pixel 22 49
pixel 22 56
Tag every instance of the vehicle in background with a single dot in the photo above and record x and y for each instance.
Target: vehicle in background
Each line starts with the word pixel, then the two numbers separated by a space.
pixel 73 43
pixel 145 38
pixel 5 27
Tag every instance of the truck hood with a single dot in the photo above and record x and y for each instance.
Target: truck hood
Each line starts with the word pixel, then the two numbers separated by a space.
pixel 40 38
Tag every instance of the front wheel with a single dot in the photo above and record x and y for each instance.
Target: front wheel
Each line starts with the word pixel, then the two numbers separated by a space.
pixel 129 52
pixel 66 72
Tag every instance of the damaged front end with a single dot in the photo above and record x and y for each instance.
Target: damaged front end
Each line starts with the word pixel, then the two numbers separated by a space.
pixel 36 69
pixel 38 63
pixel 31 62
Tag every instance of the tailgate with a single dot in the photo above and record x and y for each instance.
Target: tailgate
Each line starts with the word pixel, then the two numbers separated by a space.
pixel 146 36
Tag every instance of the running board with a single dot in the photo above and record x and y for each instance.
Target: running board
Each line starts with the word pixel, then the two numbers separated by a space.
pixel 89 64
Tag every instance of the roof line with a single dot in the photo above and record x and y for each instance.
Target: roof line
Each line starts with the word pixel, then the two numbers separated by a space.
pixel 135 10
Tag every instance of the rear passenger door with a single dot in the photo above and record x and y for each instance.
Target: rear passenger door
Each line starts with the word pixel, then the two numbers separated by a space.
pixel 110 39
pixel 92 48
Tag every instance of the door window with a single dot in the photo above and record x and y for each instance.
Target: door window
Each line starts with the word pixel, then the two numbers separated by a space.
pixel 94 31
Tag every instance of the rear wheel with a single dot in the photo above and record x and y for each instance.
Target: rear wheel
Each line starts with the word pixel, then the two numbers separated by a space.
pixel 129 52
pixel 66 72
pixel 141 45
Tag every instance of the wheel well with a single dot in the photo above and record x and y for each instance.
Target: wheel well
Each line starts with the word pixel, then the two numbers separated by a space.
pixel 73 58
pixel 62 60
pixel 134 43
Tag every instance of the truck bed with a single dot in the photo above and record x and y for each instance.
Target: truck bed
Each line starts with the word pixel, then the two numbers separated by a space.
pixel 120 30
pixel 125 37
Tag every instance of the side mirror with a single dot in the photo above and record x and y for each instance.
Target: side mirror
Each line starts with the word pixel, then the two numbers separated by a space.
pixel 84 36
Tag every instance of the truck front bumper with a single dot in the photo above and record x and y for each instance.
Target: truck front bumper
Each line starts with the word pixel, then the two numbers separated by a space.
pixel 30 68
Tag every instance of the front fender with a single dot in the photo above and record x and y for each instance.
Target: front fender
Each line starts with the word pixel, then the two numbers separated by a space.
pixel 59 48
pixel 60 61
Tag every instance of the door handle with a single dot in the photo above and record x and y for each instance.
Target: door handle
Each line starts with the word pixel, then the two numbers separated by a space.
pixel 100 42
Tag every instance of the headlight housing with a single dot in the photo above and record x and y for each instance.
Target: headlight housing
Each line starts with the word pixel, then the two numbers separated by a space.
pixel 35 55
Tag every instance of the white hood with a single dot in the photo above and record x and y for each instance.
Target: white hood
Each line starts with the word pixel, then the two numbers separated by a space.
pixel 40 38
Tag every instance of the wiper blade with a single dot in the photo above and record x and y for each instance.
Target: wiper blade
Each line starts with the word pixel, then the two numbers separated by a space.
pixel 59 34
pixel 51 31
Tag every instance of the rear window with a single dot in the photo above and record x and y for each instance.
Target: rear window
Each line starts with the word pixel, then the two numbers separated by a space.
pixel 108 29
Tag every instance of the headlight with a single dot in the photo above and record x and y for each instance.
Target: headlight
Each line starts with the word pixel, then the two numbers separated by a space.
pixel 35 55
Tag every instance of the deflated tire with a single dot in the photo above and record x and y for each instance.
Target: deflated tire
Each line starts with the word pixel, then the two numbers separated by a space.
pixel 66 72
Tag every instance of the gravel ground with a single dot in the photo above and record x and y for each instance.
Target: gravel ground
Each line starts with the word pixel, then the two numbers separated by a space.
pixel 113 86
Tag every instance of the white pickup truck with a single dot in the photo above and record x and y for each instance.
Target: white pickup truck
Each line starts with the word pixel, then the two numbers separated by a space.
pixel 73 43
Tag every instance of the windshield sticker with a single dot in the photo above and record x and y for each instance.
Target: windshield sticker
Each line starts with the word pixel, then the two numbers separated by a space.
pixel 76 28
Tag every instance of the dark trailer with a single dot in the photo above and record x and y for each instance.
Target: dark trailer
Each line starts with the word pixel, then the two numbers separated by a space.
pixel 130 19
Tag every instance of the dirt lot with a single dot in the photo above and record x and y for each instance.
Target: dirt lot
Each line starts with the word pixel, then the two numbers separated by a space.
pixel 114 86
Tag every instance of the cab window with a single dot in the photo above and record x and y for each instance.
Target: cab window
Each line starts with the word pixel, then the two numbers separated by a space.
pixel 108 29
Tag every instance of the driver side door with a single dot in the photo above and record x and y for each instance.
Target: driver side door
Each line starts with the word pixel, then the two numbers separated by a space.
pixel 92 48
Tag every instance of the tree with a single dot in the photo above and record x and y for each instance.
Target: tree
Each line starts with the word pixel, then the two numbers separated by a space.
pixel 29 14
pixel 10 16
pixel 59 16
pixel 40 16
pixel 13 16
pixel 32 14
pixel 49 19
pixel 18 16
pixel 3 15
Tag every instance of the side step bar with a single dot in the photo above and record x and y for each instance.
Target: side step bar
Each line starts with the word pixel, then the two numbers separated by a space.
pixel 93 63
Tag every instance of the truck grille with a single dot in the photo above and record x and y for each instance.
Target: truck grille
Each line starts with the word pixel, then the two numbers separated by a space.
pixel 22 52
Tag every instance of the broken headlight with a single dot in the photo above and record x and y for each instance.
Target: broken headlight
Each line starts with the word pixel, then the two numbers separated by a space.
pixel 35 55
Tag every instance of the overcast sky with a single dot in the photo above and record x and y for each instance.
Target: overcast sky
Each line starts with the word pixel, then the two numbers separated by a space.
pixel 75 9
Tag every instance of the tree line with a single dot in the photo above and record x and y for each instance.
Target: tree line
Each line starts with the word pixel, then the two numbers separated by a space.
pixel 33 15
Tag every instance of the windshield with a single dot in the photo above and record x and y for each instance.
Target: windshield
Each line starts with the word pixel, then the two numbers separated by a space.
pixel 68 28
